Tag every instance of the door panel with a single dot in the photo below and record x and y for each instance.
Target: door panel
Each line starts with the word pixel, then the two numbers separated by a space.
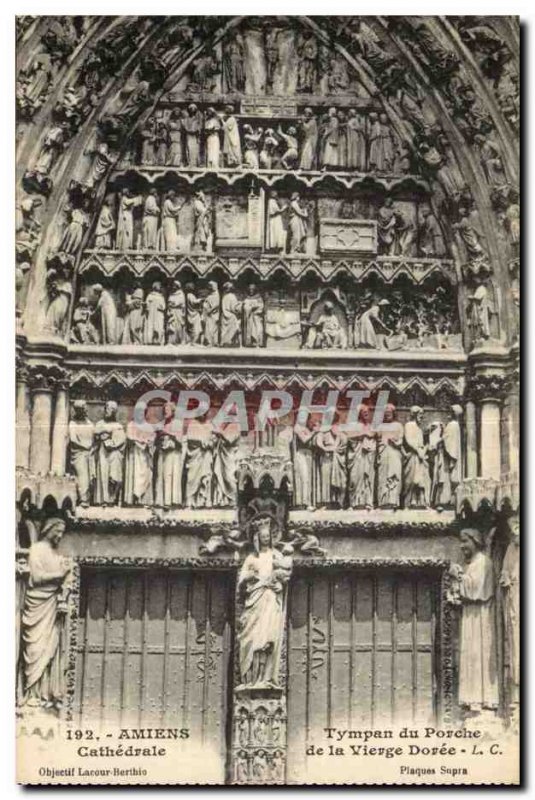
pixel 361 653
pixel 154 649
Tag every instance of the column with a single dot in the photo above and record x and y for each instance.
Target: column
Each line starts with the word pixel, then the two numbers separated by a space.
pixel 59 433
pixel 23 421
pixel 471 440
pixel 490 452
pixel 41 423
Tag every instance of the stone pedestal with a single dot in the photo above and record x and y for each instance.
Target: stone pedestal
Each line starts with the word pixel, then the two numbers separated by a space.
pixel 259 736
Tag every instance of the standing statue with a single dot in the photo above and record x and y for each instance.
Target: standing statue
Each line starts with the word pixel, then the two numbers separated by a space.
pixel 389 460
pixel 138 466
pixel 161 137
pixel 105 227
pixel 151 215
pixel 405 235
pixel 106 313
pixel 380 143
pixel 339 475
pixel 342 140
pixel 148 136
pixel 81 449
pixel 262 586
pixel 445 446
pixel 267 156
pixel 231 309
pixel 192 124
pixel 74 232
pixel 337 76
pixel 478 667
pixel 41 619
pixel 431 242
pixel 416 482
pixel 134 321
pixel 231 139
pixel 370 330
pixel 276 233
pixel 509 582
pixel 251 143
pixel 290 156
pixel 210 315
pixel 82 329
pixel 309 128
pixel 176 315
pixel 53 145
pixel 491 161
pixel 125 220
pixel 297 231
pixel 233 63
pixel 387 222
pixel 272 55
pixel 175 152
pixel 324 445
pixel 154 330
pixel 193 316
pixel 202 223
pixel 110 442
pixel 226 443
pixel 253 318
pixel 306 69
pixel 102 159
pixel 169 230
pixel 302 465
pixel 479 310
pixel 470 236
pixel 212 127
pixel 362 451
pixel 330 137
pixel 60 288
pixel 169 461
pixel 356 141
pixel 199 460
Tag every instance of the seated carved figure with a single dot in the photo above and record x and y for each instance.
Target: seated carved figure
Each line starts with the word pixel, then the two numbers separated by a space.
pixel 326 331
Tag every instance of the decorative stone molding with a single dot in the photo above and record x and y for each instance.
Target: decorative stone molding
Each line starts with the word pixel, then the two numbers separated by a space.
pixel 475 493
pixel 389 268
pixel 309 179
pixel 482 387
pixel 62 489
pixel 508 492
pixel 258 466
pixel 47 378
pixel 431 386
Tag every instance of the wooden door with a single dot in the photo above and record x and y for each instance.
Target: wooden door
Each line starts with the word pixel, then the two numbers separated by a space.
pixel 361 654
pixel 154 650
